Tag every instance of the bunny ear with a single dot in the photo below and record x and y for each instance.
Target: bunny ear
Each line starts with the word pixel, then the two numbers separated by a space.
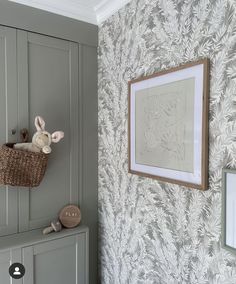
pixel 39 123
pixel 57 136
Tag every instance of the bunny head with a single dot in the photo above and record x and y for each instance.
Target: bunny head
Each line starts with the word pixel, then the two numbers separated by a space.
pixel 43 139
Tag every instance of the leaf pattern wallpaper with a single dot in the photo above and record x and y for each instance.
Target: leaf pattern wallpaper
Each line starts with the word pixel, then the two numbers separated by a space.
pixel 150 231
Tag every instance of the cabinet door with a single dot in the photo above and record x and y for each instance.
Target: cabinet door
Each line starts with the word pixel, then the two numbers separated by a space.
pixel 57 262
pixel 6 259
pixel 5 262
pixel 48 86
pixel 8 122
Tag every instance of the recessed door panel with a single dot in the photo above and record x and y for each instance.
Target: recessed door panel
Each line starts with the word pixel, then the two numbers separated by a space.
pixel 49 69
pixel 57 262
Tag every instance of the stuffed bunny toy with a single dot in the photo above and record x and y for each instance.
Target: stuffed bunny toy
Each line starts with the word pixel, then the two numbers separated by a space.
pixel 42 139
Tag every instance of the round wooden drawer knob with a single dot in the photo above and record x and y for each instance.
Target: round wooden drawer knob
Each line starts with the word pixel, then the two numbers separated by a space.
pixel 70 216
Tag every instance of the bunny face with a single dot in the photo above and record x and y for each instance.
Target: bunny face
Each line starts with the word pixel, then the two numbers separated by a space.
pixel 43 139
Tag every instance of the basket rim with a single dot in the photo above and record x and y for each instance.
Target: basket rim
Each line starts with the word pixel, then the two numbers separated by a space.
pixel 9 147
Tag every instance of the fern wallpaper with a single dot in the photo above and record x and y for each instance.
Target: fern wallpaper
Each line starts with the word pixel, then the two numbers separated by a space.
pixel 154 232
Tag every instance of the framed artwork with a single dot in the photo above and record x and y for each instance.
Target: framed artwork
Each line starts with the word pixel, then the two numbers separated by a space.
pixel 229 210
pixel 168 125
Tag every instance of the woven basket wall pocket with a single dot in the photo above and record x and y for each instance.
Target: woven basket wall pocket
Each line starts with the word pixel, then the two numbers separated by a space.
pixel 21 168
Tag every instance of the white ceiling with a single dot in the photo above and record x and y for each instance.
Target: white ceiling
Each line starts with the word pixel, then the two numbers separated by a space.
pixel 91 11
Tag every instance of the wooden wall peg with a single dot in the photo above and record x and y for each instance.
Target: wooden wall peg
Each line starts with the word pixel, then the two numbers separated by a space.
pixel 70 216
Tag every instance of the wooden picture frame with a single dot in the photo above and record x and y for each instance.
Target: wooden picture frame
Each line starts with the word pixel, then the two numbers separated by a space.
pixel 168 125
pixel 228 224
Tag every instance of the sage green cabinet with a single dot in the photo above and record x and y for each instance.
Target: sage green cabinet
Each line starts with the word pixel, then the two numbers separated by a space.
pixel 8 122
pixel 5 262
pixel 48 76
pixel 57 258
pixel 39 76
pixel 34 80
pixel 57 262
pixel 7 257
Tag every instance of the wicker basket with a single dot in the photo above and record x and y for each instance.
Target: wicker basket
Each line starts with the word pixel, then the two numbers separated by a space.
pixel 21 168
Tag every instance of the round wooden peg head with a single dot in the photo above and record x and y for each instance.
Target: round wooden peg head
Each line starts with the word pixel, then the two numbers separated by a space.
pixel 70 216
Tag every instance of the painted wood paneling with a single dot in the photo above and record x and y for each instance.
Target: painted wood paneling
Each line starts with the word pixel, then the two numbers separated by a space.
pixel 8 122
pixel 5 261
pixel 57 262
pixel 48 72
pixel 89 154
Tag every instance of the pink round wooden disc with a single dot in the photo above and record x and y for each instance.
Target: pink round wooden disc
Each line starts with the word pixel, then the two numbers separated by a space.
pixel 70 216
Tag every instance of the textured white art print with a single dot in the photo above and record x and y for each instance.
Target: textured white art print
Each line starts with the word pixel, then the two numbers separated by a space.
pixel 230 210
pixel 155 232
pixel 164 125
pixel 176 152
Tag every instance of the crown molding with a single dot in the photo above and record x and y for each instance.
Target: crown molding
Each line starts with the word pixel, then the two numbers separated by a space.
pixel 78 10
pixel 73 9
pixel 107 8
